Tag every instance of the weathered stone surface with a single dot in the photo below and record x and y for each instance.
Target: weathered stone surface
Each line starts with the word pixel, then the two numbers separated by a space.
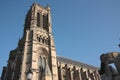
pixel 110 66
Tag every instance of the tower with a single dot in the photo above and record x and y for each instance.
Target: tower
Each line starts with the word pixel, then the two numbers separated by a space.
pixel 39 54
pixel 35 56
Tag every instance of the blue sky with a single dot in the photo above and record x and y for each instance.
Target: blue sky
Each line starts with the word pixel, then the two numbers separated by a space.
pixel 83 29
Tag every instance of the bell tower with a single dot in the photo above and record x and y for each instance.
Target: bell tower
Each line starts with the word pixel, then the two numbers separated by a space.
pixel 38 52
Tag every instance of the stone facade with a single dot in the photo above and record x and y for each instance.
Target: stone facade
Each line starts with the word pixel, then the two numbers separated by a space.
pixel 73 70
pixel 35 57
pixel 110 66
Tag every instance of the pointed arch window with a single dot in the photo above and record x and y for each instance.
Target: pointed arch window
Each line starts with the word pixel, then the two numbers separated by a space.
pixel 40 61
pixel 45 21
pixel 38 19
pixel 44 62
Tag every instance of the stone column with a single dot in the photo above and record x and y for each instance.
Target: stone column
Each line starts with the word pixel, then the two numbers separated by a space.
pixel 98 76
pixel 62 73
pixel 79 73
pixel 71 74
pixel 87 76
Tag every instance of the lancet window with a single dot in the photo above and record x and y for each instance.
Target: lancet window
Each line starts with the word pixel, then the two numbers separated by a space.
pixel 42 64
pixel 40 61
pixel 38 19
pixel 45 21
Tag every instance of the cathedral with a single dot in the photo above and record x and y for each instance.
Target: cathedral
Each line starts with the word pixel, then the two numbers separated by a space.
pixel 35 57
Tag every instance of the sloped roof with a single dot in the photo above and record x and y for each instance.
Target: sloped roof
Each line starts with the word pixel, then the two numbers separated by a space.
pixel 76 63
